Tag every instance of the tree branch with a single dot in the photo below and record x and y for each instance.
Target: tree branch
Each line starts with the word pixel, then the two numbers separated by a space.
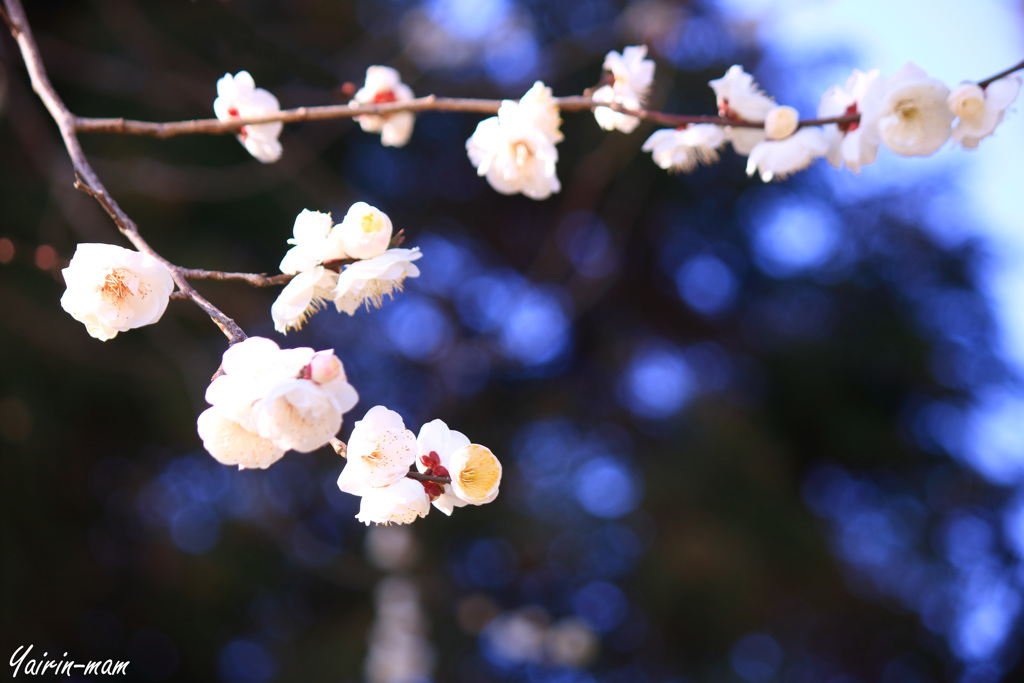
pixel 254 279
pixel 1002 74
pixel 86 179
pixel 429 103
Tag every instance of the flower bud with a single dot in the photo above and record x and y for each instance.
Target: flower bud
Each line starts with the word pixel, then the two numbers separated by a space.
pixel 966 100
pixel 781 122
pixel 324 366
pixel 365 232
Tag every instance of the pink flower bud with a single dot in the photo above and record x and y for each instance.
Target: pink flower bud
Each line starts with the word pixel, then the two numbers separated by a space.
pixel 324 366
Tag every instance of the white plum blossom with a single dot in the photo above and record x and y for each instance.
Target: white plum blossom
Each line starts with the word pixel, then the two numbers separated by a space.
pixel 739 97
pixel 779 158
pixel 239 98
pixel 306 293
pixel 380 452
pixel 682 149
pixel 401 502
pixel 367 282
pixel 980 111
pixel 270 400
pixel 304 412
pixel 231 443
pixel 384 85
pixel 632 75
pixel 365 232
pixel 515 151
pixel 855 143
pixel 781 122
pixel 914 118
pixel 744 139
pixel 111 289
pixel 313 243
pixel 434 447
pixel 539 107
pixel 475 473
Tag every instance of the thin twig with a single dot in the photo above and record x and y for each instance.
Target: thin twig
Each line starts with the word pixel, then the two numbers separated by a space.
pixel 425 104
pixel 422 104
pixel 254 279
pixel 988 81
pixel 86 178
pixel 413 474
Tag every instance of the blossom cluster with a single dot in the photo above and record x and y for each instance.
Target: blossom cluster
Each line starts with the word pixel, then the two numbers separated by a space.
pixel 271 400
pixel 909 112
pixel 381 451
pixel 266 400
pixel 349 264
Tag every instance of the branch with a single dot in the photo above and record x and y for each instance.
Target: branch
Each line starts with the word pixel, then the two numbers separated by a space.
pixel 988 81
pixel 423 104
pixel 254 279
pixel 86 179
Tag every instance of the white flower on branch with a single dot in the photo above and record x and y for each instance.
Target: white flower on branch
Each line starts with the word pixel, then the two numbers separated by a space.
pixel 303 412
pixel 307 293
pixel 269 401
pixel 739 97
pixel 434 447
pixel 384 85
pixel 365 232
pixel 111 289
pixel 776 159
pixel 475 473
pixel 781 122
pixel 515 150
pixel 980 111
pixel 239 98
pixel 474 470
pixel 539 107
pixel 367 282
pixel 313 243
pixel 380 452
pixel 401 502
pixel 914 118
pixel 682 149
pixel 632 76
pixel 855 143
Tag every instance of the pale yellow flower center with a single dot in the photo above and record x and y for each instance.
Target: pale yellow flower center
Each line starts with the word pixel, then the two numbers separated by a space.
pixel 481 472
pixel 970 107
pixel 907 111
pixel 522 153
pixel 120 284
pixel 370 223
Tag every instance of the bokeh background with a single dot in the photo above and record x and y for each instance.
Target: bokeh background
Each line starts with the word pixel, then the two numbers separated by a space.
pixel 751 432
